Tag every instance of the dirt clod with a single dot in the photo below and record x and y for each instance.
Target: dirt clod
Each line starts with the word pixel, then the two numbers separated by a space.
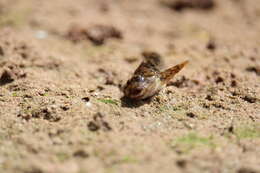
pixel 249 99
pixel 181 163
pixel 191 115
pixel 231 129
pixel 92 126
pixel 184 82
pixel 81 154
pixel 65 107
pixel 11 73
pixel 6 78
pixel 98 122
pixel 254 69
pixel 209 97
pixel 219 79
pixel 232 75
pixel 51 113
pixel 76 34
pixel 246 170
pixel 233 83
pixel 211 45
pixel 47 113
pixel 85 99
pixel 98 34
pixel 179 5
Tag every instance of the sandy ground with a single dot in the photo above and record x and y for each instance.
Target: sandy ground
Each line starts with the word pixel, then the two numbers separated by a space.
pixel 63 62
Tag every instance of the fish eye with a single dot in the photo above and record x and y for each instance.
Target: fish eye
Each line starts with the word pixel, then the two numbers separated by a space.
pixel 138 78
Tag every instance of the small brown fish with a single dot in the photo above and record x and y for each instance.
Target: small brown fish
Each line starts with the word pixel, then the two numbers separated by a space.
pixel 147 79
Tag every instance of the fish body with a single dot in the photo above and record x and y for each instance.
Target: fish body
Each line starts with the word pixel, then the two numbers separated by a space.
pixel 147 79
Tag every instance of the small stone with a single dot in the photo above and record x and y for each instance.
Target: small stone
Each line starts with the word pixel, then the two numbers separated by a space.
pixel 6 77
pixel 209 97
pixel 81 153
pixel 249 99
pixel 191 115
pixel 85 99
pixel 211 45
pixel 98 34
pixel 92 126
pixel 180 5
pixel 181 163
pixel 219 80
pixel 233 83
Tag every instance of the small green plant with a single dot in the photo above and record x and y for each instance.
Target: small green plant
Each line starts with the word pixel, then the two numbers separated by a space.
pixel 45 94
pixel 62 156
pixel 247 132
pixel 15 94
pixel 128 159
pixel 192 140
pixel 109 101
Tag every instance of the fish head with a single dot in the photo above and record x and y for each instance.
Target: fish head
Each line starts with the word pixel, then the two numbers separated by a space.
pixel 141 87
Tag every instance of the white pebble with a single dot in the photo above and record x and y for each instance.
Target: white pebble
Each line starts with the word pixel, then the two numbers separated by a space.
pixel 88 104
pixel 41 34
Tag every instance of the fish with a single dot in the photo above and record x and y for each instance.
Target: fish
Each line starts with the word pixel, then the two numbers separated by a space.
pixel 148 80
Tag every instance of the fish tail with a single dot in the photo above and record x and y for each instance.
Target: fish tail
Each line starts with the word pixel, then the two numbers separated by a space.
pixel 168 74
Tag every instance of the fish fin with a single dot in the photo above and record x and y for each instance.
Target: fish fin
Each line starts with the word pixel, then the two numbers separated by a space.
pixel 168 74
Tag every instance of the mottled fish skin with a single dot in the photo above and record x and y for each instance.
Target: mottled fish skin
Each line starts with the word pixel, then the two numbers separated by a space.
pixel 147 79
